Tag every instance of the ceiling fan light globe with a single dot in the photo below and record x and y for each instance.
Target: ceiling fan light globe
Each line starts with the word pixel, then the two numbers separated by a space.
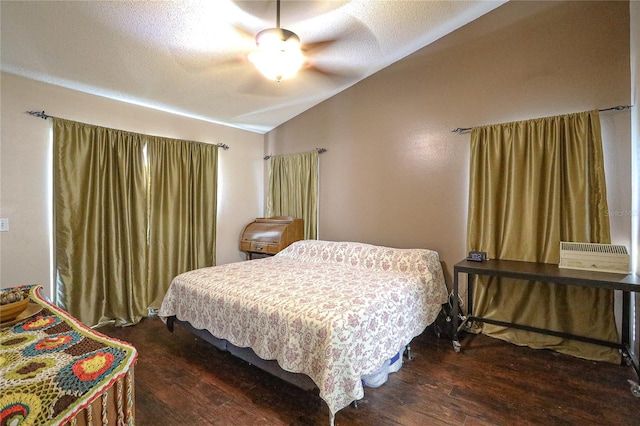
pixel 277 65
pixel 278 56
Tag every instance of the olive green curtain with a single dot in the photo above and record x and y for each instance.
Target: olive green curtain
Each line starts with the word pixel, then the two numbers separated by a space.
pixel 293 189
pixel 182 212
pixel 122 224
pixel 533 184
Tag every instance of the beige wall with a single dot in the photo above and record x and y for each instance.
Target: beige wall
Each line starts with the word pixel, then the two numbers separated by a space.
pixel 395 174
pixel 25 159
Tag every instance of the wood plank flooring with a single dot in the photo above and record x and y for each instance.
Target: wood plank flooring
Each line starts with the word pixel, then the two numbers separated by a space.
pixel 182 380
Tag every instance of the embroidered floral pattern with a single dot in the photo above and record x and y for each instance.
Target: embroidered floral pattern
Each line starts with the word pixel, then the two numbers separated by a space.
pixel 333 311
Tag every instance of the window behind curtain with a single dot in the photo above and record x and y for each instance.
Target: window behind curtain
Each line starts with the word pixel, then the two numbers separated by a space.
pixel 126 222
pixel 293 189
pixel 533 184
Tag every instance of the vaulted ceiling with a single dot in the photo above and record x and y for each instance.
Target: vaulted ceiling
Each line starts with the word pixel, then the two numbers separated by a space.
pixel 190 57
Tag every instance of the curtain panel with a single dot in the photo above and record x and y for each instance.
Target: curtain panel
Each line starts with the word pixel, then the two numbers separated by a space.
pixel 533 184
pixel 293 189
pixel 131 212
pixel 182 211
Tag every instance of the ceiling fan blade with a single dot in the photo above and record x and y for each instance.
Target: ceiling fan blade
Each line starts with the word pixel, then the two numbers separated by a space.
pixel 317 47
pixel 337 78
pixel 340 56
pixel 258 85
pixel 245 33
pixel 299 10
pixel 192 60
pixel 200 62
pixel 261 9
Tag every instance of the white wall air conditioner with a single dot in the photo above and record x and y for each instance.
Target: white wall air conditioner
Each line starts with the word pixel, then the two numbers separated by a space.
pixel 594 257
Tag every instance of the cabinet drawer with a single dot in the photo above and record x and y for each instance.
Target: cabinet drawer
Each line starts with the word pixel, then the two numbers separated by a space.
pixel 260 247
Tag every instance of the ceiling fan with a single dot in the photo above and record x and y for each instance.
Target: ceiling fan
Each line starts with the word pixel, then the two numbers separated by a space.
pixel 278 55
pixel 331 54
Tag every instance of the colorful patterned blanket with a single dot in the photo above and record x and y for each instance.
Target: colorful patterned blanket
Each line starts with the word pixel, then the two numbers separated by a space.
pixel 53 369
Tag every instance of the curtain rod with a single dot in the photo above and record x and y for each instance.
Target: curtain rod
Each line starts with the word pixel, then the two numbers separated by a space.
pixel 43 115
pixel 320 151
pixel 462 130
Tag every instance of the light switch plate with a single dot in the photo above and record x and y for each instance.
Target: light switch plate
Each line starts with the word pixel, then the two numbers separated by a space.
pixel 4 224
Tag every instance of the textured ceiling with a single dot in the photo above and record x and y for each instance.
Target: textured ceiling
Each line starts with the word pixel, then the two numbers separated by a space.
pixel 189 57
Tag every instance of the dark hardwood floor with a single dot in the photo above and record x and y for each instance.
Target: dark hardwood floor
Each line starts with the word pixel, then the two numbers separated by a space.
pixel 182 380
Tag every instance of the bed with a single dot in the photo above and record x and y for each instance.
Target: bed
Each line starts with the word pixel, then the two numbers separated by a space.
pixel 331 311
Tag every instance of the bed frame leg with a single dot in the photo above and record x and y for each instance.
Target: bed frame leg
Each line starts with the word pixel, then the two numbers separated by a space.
pixel 170 321
pixel 409 354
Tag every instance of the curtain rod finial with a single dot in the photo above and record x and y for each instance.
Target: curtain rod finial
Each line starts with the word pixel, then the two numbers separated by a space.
pixel 40 114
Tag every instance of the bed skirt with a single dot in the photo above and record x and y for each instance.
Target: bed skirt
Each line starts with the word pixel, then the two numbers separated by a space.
pixel 272 367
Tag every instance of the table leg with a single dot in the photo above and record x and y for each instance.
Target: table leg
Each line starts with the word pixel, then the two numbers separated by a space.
pixel 456 341
pixel 470 281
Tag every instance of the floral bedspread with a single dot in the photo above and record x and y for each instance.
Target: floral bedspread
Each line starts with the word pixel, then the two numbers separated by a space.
pixel 53 368
pixel 334 311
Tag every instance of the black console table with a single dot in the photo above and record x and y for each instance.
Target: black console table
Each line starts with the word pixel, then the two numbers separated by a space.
pixel 550 273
